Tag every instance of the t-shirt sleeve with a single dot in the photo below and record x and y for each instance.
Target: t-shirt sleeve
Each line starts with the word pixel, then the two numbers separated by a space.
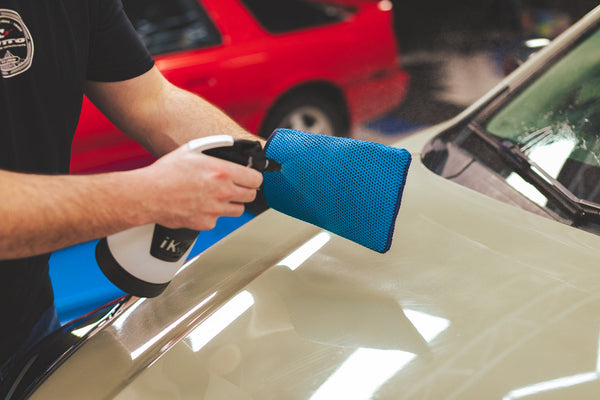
pixel 116 51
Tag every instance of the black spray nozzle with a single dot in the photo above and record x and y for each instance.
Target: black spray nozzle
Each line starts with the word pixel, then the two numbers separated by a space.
pixel 248 153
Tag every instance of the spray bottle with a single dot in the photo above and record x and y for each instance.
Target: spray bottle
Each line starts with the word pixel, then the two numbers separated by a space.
pixel 143 260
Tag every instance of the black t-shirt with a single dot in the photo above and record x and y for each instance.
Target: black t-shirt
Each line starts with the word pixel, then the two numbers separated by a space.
pixel 48 49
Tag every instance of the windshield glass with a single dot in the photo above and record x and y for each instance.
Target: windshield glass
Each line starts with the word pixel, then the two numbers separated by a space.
pixel 556 120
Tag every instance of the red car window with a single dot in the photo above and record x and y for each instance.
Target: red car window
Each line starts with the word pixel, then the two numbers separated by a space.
pixel 168 26
pixel 278 16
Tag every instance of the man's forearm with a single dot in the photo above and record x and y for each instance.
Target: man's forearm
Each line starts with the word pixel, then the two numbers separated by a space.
pixel 159 115
pixel 182 116
pixel 44 213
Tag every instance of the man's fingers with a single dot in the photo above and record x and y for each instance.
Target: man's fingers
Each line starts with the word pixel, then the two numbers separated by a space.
pixel 234 210
pixel 227 210
pixel 246 177
pixel 243 195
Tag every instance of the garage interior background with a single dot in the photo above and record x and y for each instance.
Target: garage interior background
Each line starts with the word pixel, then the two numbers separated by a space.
pixel 454 52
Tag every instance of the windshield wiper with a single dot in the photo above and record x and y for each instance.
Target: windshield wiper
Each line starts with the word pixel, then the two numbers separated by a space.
pixel 577 210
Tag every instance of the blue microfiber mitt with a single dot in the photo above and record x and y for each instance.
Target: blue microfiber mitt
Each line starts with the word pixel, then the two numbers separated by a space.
pixel 347 186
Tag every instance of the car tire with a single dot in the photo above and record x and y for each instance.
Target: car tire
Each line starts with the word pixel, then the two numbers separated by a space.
pixel 307 112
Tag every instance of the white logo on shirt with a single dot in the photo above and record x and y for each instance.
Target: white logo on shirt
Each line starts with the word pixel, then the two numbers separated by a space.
pixel 16 44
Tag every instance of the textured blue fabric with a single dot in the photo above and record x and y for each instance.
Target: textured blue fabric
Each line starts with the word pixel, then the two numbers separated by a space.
pixel 347 186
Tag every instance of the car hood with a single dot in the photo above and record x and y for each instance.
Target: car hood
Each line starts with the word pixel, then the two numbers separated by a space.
pixel 476 299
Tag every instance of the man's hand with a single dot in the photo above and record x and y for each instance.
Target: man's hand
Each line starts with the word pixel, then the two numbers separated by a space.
pixel 192 190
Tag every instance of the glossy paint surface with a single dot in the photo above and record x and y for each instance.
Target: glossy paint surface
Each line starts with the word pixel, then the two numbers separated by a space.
pixel 456 310
pixel 475 299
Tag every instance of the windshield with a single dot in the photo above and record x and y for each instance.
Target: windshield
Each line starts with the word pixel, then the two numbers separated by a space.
pixel 536 145
pixel 556 121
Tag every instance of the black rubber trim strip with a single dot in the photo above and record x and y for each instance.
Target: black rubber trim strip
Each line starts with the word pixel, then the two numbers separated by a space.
pixel 123 279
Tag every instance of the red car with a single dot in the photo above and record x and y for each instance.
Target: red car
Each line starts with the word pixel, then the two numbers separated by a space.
pixel 316 66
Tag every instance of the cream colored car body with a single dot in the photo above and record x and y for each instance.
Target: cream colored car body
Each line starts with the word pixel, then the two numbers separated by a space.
pixel 476 299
